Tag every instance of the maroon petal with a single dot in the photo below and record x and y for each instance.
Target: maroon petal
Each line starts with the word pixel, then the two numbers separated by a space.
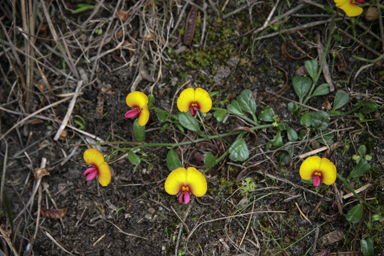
pixel 90 170
pixel 91 176
pixel 316 181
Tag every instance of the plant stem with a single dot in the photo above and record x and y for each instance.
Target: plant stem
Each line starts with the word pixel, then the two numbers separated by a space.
pixel 356 195
pixel 165 112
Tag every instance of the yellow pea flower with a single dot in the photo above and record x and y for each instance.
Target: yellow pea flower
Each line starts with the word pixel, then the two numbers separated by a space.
pixel 93 157
pixel 350 7
pixel 186 181
pixel 139 101
pixel 191 99
pixel 320 169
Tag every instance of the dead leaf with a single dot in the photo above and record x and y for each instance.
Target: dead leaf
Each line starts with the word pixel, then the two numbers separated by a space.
pixel 99 107
pixel 301 71
pixel 332 148
pixel 371 14
pixel 286 54
pixel 63 135
pixel 330 238
pixel 190 26
pixel 54 213
pixel 149 37
pixel 122 15
pixel 327 105
pixel 341 64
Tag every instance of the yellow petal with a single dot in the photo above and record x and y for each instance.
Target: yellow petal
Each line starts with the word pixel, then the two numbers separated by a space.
pixel 104 174
pixel 309 166
pixel 93 157
pixel 328 170
pixel 137 99
pixel 144 116
pixel 185 99
pixel 203 100
pixel 175 180
pixel 196 181
pixel 350 9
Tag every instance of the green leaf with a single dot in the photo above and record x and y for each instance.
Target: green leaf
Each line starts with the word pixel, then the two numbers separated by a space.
pixel 362 167
pixel 82 8
pixel 133 158
pixel 179 126
pixel 235 109
pixel 162 116
pixel 301 85
pixel 320 120
pixel 338 38
pixel 327 138
pixel 362 150
pixel 247 102
pixel 165 126
pixel 370 107
pixel 322 89
pixel 277 141
pixel 306 120
pixel 292 134
pixel 151 98
pixel 354 215
pixel 238 152
pixel 302 133
pixel 328 9
pixel 376 217
pixel 210 160
pixel 311 66
pixel 291 107
pixel 266 114
pixel 220 114
pixel 367 247
pixel 138 131
pixel 340 100
pixel 189 122
pixel 173 160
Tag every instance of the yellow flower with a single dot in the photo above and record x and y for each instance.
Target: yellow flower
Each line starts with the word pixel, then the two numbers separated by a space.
pixel 193 100
pixel 319 169
pixel 139 101
pixel 93 157
pixel 350 7
pixel 186 181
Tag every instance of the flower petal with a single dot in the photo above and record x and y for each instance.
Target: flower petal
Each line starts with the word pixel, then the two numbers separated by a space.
pixel 144 116
pixel 350 9
pixel 203 99
pixel 328 170
pixel 187 197
pixel 196 181
pixel 185 99
pixel 104 174
pixel 93 157
pixel 131 113
pixel 308 167
pixel 91 175
pixel 137 99
pixel 92 169
pixel 316 181
pixel 175 180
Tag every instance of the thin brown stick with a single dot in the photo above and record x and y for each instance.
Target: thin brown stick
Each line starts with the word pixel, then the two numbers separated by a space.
pixel 4 171
pixel 380 23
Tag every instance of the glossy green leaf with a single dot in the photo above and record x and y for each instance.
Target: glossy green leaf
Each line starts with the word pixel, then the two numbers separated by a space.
pixel 138 131
pixel 151 98
pixel 340 100
pixel 325 139
pixel 377 216
pixel 133 158
pixel 320 120
pixel 291 107
pixel 306 120
pixel 362 167
pixel 173 160
pixel 162 116
pixel 311 66
pixel 362 150
pixel 277 141
pixel 354 215
pixel 247 102
pixel 367 247
pixel 178 125
pixel 266 114
pixel 235 109
pixel 322 89
pixel 238 152
pixel 220 114
pixel 189 122
pixel 210 160
pixel 302 85
pixel 82 8
pixel 292 134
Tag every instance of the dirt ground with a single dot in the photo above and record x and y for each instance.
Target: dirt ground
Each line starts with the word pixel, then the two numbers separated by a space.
pixel 94 58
